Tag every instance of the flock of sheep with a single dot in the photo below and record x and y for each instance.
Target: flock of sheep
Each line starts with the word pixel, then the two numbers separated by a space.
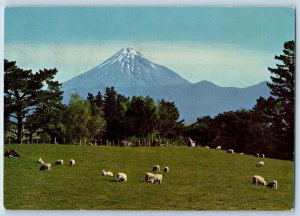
pixel 121 177
pixel 47 166
pixel 153 178
pixel 149 177
pixel 258 180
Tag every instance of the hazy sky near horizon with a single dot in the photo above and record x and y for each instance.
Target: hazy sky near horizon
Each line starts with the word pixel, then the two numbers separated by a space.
pixel 229 46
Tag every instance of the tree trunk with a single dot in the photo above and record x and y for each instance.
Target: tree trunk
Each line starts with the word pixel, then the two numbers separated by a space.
pixel 20 128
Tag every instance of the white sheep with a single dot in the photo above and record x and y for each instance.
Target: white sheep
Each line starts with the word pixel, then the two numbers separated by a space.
pixel 40 161
pixel 166 169
pixel 218 147
pixel 206 147
pixel 230 151
pixel 147 176
pixel 121 177
pixel 262 155
pixel 59 162
pixel 72 162
pixel 107 173
pixel 45 166
pixel 260 163
pixel 272 184
pixel 256 155
pixel 191 143
pixel 156 168
pixel 155 178
pixel 258 180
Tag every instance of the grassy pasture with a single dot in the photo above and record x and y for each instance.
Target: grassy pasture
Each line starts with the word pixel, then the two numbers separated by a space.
pixel 199 179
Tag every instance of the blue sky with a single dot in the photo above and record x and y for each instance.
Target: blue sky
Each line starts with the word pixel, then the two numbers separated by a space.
pixel 225 45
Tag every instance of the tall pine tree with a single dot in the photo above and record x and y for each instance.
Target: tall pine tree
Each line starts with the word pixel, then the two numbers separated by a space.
pixel 283 90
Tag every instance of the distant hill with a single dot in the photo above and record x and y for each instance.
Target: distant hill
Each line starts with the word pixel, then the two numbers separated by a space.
pixel 132 74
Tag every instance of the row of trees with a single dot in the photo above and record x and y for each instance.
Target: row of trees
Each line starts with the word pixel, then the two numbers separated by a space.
pixel 268 128
pixel 33 107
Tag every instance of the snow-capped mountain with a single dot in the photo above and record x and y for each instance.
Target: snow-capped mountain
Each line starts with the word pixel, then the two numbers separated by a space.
pixel 132 74
pixel 127 68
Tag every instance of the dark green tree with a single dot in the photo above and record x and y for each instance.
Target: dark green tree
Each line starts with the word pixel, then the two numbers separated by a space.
pixel 168 115
pixel 25 92
pixel 283 90
pixel 141 116
pixel 114 108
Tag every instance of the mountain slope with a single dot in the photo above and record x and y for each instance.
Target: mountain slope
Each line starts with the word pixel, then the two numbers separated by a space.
pixel 127 68
pixel 203 98
pixel 132 74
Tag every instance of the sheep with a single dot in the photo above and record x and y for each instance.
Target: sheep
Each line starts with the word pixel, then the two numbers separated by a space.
pixel 155 178
pixel 191 143
pixel 156 168
pixel 121 177
pixel 107 173
pixel 40 161
pixel 262 155
pixel 72 162
pixel 272 184
pixel 256 155
pixel 258 180
pixel 147 176
pixel 230 151
pixel 59 162
pixel 260 163
pixel 218 147
pixel 166 169
pixel 206 147
pixel 45 166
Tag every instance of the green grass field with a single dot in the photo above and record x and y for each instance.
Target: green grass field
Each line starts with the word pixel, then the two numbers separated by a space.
pixel 199 179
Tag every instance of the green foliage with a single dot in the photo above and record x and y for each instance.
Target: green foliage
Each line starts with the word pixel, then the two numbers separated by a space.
pixel 114 112
pixel 28 95
pixel 283 90
pixel 81 123
pixel 141 116
pixel 168 115
pixel 199 179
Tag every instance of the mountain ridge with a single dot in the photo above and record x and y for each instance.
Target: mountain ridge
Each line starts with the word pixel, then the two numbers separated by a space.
pixel 132 74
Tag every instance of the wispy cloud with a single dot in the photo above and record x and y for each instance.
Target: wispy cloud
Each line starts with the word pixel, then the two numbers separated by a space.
pixel 223 64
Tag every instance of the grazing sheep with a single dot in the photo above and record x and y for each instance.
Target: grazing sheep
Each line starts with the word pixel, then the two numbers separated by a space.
pixel 258 180
pixel 60 162
pixel 156 168
pixel 166 169
pixel 230 151
pixel 147 176
pixel 107 173
pixel 260 163
pixel 45 166
pixel 191 143
pixel 262 155
pixel 218 147
pixel 206 147
pixel 272 184
pixel 155 178
pixel 241 153
pixel 40 161
pixel 72 162
pixel 256 155
pixel 121 177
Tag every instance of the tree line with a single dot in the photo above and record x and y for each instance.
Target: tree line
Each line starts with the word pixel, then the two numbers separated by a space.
pixel 33 108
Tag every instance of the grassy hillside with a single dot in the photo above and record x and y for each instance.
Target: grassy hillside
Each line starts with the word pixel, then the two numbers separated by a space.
pixel 199 179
